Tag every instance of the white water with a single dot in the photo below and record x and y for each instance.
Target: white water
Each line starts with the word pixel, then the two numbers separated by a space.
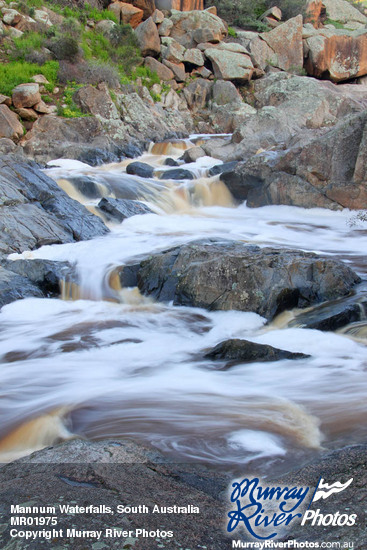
pixel 136 369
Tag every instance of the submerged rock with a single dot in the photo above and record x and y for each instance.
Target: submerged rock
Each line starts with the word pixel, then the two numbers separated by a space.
pixel 243 351
pixel 141 169
pixel 225 275
pixel 179 174
pixel 120 209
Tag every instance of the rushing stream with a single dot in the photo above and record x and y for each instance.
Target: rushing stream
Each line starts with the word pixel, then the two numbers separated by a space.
pixel 116 364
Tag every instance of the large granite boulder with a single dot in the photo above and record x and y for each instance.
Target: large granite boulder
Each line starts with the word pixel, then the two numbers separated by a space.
pixel 225 275
pixel 190 27
pixel 337 54
pixel 329 171
pixel 229 65
pixel 26 95
pixel 148 38
pixel 285 41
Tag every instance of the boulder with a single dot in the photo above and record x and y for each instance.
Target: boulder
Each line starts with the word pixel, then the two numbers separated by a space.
pixel 26 95
pixel 185 24
pixel 42 108
pixel 96 101
pixel 42 17
pixel 329 171
pixel 120 209
pixel 222 168
pixel 274 13
pixel 176 174
pixel 10 127
pixel 141 169
pixel 27 114
pixel 165 27
pixel 10 16
pixel 286 43
pixel 178 70
pixel 261 53
pixel 148 38
pixel 130 15
pixel 243 351
pixel 193 154
pixel 228 118
pixel 337 55
pixel 106 26
pixel 315 13
pixel 193 56
pixel 225 92
pixel 172 51
pixel 343 12
pixel 156 66
pixel 158 17
pixel 147 6
pixel 228 65
pixel 4 99
pixel 225 275
pixel 198 93
pixel 35 211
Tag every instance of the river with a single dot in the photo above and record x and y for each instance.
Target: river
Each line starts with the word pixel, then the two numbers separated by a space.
pixel 112 363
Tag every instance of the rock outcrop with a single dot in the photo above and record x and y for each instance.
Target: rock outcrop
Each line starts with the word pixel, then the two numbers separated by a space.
pixel 328 172
pixel 224 275
pixel 35 211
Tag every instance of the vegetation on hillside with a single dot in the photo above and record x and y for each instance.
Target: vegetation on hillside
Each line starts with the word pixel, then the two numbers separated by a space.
pixel 247 13
pixel 75 52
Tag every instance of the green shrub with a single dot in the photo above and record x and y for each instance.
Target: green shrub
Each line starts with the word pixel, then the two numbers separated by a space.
pixel 232 32
pixel 66 107
pixel 64 47
pixel 247 13
pixel 19 72
pixel 29 42
pixel 336 24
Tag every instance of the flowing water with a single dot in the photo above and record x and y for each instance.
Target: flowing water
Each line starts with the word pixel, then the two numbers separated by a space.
pixel 108 362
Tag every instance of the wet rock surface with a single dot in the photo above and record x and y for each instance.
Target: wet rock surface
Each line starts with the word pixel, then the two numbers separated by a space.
pixel 45 274
pixel 35 211
pixel 120 209
pixel 243 351
pixel 224 275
